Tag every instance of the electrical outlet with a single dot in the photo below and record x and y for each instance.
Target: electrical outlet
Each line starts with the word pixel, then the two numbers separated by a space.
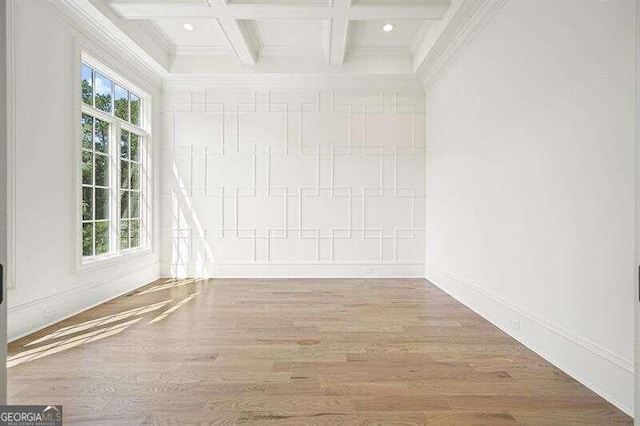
pixel 514 324
pixel 369 270
pixel 50 312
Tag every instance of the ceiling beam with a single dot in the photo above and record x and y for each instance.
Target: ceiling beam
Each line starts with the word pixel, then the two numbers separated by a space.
pixel 239 38
pixel 336 33
pixel 429 10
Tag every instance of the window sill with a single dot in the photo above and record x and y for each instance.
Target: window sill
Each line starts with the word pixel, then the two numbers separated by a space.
pixel 111 260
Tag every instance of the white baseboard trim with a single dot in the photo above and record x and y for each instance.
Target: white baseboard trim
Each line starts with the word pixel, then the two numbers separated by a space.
pixel 295 270
pixel 602 371
pixel 30 317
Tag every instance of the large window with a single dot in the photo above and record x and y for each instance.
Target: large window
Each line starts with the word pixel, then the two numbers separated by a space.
pixel 114 178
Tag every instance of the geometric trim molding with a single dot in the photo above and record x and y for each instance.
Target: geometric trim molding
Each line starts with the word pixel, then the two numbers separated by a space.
pixel 294 178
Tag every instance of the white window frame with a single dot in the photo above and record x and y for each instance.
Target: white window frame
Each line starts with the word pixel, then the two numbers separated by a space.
pixel 115 254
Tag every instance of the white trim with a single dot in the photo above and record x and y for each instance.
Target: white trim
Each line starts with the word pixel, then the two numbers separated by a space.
pixel 112 259
pixel 240 42
pixel 453 36
pixel 337 39
pixel 27 318
pixel 431 10
pixel 264 81
pixel 386 51
pixel 289 51
pixel 201 51
pixel 295 269
pixel 91 20
pixel 608 374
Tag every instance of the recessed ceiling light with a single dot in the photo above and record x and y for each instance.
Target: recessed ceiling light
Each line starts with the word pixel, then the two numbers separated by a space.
pixel 388 27
pixel 189 27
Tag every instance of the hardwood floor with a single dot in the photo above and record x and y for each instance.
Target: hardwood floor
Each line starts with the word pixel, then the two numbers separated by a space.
pixel 331 351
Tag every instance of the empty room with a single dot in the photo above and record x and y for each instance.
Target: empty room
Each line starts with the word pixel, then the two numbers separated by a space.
pixel 329 212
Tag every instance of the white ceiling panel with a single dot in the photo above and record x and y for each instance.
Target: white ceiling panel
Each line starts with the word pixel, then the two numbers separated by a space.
pixel 289 32
pixel 369 33
pixel 207 32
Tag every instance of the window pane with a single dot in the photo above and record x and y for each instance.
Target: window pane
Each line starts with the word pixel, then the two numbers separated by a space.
pixel 102 237
pixel 135 109
pixel 122 103
pixel 87 84
pixel 99 159
pixel 124 144
pixel 87 130
pixel 135 204
pixel 135 175
pixel 124 174
pixel 101 138
pixel 102 170
pixel 87 167
pixel 102 204
pixel 135 233
pixel 135 147
pixel 87 203
pixel 87 239
pixel 104 93
pixel 124 204
pixel 124 234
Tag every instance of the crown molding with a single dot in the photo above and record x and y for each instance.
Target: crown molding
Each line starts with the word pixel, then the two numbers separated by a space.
pixel 321 81
pixel 91 22
pixel 289 51
pixel 379 51
pixel 157 9
pixel 457 31
pixel 201 50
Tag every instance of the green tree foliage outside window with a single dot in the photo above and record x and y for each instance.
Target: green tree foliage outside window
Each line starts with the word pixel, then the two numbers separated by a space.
pixel 135 110
pixel 129 190
pixel 102 93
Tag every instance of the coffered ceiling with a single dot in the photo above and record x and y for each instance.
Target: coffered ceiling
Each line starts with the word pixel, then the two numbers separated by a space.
pixel 283 36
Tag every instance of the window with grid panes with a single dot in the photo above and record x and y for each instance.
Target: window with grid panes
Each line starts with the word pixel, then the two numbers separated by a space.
pixel 114 183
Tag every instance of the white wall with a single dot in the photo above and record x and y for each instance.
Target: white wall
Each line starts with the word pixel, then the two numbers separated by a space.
pixel 284 182
pixel 530 184
pixel 47 285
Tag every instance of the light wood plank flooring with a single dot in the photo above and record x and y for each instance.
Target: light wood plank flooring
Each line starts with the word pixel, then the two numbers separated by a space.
pixel 330 351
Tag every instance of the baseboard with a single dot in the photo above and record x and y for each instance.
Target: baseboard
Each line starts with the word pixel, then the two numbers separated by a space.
pixel 30 317
pixel 295 270
pixel 605 373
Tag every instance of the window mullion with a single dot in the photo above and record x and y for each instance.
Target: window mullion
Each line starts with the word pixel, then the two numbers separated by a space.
pixel 144 188
pixel 91 110
pixel 133 128
pixel 93 186
pixel 115 184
